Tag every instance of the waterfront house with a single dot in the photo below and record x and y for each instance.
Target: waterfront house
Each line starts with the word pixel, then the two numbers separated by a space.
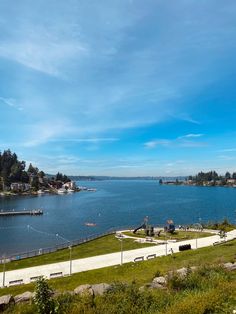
pixel 69 185
pixel 20 187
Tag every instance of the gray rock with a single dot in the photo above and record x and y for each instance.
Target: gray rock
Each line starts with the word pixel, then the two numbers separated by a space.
pixel 159 280
pixel 100 288
pixel 182 272
pixel 155 285
pixel 5 300
pixel 83 289
pixel 230 266
pixel 24 297
pixel 193 268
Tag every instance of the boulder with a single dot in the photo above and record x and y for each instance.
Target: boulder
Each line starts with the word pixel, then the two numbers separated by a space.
pixel 100 288
pixel 155 285
pixel 24 297
pixel 83 289
pixel 230 266
pixel 5 300
pixel 159 280
pixel 182 272
pixel 193 268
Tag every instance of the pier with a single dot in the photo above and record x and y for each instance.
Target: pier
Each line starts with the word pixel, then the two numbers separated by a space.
pixel 34 212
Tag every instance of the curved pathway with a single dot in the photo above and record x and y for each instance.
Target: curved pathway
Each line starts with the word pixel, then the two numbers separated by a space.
pixel 30 274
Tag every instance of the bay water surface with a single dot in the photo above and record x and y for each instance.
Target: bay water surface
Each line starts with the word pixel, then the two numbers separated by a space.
pixel 120 203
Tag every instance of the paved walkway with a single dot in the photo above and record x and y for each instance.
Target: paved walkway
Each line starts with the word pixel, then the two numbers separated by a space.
pixel 30 274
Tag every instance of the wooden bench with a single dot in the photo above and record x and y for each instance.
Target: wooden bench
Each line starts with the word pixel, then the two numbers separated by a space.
pixel 151 256
pixel 16 282
pixel 55 275
pixel 139 259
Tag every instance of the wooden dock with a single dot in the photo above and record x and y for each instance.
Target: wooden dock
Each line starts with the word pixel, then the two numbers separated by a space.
pixel 34 212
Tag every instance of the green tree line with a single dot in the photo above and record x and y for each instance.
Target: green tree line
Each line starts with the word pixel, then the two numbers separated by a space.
pixel 212 176
pixel 14 170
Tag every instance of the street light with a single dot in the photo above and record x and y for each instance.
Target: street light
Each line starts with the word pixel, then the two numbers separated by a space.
pixel 197 226
pixel 121 251
pixel 4 271
pixel 166 243
pixel 70 249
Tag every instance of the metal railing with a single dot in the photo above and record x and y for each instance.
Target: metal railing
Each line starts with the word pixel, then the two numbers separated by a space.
pixel 42 251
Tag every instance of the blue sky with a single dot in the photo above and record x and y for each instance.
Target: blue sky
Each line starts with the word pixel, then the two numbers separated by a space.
pixel 119 87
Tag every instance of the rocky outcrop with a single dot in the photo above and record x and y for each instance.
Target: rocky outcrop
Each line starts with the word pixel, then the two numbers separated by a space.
pixel 84 289
pixel 5 301
pixel 158 283
pixel 182 272
pixel 100 288
pixel 97 289
pixel 230 266
pixel 24 297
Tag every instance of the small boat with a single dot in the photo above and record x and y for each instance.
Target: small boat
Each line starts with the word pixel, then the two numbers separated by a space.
pixel 70 191
pixel 40 192
pixel 91 190
pixel 61 191
pixel 90 224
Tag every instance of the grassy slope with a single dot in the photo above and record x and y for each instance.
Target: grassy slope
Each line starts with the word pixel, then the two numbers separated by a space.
pixel 104 245
pixel 141 272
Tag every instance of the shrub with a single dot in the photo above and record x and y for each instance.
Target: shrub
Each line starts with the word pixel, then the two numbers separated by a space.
pixel 45 304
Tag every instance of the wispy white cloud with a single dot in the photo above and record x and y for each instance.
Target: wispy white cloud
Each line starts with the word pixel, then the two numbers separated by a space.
pixel 154 143
pixel 86 140
pixel 226 157
pixel 191 135
pixel 11 103
pixel 46 57
pixel 178 142
pixel 228 150
pixel 185 117
pixel 45 131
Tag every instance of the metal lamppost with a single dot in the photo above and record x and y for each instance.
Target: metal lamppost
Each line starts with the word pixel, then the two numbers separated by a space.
pixel 197 226
pixel 70 249
pixel 4 271
pixel 166 243
pixel 121 251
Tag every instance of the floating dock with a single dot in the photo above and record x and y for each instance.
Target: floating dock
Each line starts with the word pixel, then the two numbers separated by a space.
pixel 34 212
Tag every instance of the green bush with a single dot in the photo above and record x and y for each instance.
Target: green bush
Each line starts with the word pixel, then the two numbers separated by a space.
pixel 43 300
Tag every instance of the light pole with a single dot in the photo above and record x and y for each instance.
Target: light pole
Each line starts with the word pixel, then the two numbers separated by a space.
pixel 70 249
pixel 198 227
pixel 166 243
pixel 4 271
pixel 121 251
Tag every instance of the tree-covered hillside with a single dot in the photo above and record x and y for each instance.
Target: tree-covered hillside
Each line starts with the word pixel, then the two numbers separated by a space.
pixel 14 171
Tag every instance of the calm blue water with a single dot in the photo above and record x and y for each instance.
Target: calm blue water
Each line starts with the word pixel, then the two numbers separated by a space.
pixel 116 203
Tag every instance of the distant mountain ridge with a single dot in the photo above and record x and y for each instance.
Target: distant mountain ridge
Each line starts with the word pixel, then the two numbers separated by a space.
pixel 101 178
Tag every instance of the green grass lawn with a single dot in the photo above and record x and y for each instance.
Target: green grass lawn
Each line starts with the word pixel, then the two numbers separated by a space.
pixel 103 245
pixel 177 235
pixel 142 272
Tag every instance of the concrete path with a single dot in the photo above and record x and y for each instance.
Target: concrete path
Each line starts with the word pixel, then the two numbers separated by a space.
pixel 30 274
